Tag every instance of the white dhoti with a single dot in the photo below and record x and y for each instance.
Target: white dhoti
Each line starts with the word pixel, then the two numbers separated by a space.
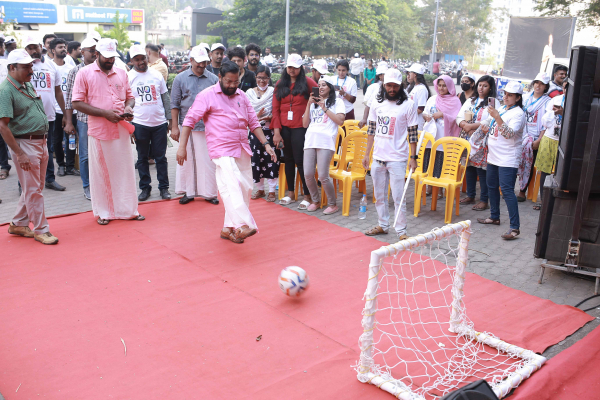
pixel 112 177
pixel 196 177
pixel 234 179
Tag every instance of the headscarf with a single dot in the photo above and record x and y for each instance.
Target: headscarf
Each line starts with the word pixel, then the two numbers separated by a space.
pixel 449 105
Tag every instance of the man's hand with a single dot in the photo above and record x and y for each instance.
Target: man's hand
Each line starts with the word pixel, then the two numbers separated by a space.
pixel 24 161
pixel 170 126
pixel 113 116
pixel 181 155
pixel 558 110
pixel 412 164
pixel 362 123
pixel 69 128
pixel 270 152
pixel 128 110
pixel 365 162
pixel 175 133
pixel 64 123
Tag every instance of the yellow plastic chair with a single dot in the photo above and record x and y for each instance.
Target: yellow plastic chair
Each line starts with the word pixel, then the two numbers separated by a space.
pixel 418 174
pixel 283 183
pixel 356 171
pixel 451 177
pixel 338 143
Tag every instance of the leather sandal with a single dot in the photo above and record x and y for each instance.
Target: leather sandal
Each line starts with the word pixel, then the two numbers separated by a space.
pixel 101 221
pixel 271 197
pixel 138 218
pixel 258 195
pixel 244 232
pixel 480 206
pixel 3 174
pixel 376 231
pixel 511 234
pixel 467 200
pixel 229 234
pixel 488 221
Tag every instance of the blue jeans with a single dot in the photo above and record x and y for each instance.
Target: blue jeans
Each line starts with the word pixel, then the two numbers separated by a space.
pixel 152 141
pixel 84 169
pixel 471 177
pixel 505 179
pixel 50 177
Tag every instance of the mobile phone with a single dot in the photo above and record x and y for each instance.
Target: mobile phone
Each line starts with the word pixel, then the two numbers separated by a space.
pixel 126 115
pixel 337 87
pixel 492 101
pixel 280 145
pixel 315 92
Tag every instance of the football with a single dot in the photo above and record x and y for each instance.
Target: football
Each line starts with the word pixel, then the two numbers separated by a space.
pixel 293 281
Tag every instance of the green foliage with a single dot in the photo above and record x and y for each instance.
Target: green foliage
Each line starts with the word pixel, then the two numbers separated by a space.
pixel 119 32
pixel 401 32
pixel 275 78
pixel 170 79
pixel 429 78
pixel 586 11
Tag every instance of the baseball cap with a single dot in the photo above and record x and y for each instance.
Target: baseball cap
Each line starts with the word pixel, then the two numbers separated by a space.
pixel 514 87
pixel 205 45
pixel 320 66
pixel 30 40
pixel 88 43
pixel 356 55
pixel 381 68
pixel 417 69
pixel 137 50
pixel 94 35
pixel 542 77
pixel 199 54
pixel 392 76
pixel 107 48
pixel 217 46
pixel 294 60
pixel 471 76
pixel 19 56
pixel 9 40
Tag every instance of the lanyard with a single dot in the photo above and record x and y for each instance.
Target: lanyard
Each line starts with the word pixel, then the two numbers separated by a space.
pixel 529 103
pixel 343 83
pixel 501 114
pixel 22 92
pixel 562 105
pixel 475 109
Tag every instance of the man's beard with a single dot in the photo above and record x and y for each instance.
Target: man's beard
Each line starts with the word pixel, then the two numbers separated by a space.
pixel 62 56
pixel 226 91
pixel 395 98
pixel 253 61
pixel 106 65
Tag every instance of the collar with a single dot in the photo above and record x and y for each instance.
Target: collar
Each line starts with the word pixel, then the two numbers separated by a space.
pixel 19 85
pixel 192 73
pixel 218 90
pixel 156 62
pixel 96 67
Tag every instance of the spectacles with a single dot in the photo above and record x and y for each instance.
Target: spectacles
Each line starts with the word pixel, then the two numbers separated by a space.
pixel 228 82
pixel 262 78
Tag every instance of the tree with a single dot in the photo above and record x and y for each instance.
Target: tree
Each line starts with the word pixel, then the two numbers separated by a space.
pixel 462 24
pixel 314 24
pixel 586 11
pixel 118 32
pixel 401 31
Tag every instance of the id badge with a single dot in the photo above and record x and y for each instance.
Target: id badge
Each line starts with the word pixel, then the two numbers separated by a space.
pixel 290 115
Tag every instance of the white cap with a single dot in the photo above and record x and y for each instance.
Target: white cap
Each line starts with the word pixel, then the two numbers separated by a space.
pixel 320 66
pixel 199 54
pixel 470 75
pixel 558 101
pixel 205 45
pixel 107 48
pixel 19 56
pixel 392 76
pixel 513 87
pixel 217 46
pixel 9 40
pixel 355 54
pixel 88 43
pixel 417 69
pixel 381 68
pixel 30 40
pixel 542 77
pixel 294 60
pixel 94 35
pixel 137 50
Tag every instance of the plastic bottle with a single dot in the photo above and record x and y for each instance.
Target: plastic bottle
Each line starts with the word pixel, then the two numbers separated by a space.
pixel 362 208
pixel 72 141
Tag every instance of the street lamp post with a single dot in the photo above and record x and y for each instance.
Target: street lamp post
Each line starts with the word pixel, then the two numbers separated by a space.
pixel 437 8
pixel 287 28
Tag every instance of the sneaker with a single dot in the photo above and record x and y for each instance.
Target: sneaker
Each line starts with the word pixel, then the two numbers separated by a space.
pixel 20 230
pixel 46 238
pixel 86 193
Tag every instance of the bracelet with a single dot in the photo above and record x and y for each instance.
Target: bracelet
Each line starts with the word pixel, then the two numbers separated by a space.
pixel 266 143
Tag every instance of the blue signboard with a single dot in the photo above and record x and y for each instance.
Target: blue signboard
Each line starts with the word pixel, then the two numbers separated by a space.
pixel 28 13
pixel 102 14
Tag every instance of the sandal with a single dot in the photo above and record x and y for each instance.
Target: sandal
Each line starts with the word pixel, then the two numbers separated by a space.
pixel 511 234
pixel 467 200
pixel 138 218
pixel 271 197
pixel 331 210
pixel 286 201
pixel 376 231
pixel 488 221
pixel 259 194
pixel 521 199
pixel 313 207
pixel 101 221
pixel 303 205
pixel 480 207
pixel 3 174
pixel 537 206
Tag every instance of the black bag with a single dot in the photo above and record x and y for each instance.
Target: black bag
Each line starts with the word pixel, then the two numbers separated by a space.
pixel 478 390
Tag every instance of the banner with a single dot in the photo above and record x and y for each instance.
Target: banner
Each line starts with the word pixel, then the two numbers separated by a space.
pixel 28 13
pixel 102 14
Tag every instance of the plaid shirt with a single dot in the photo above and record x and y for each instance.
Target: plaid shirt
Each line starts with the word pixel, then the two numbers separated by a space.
pixel 413 134
pixel 70 82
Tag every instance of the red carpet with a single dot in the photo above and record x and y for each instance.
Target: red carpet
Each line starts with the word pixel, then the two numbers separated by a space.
pixel 571 375
pixel 189 307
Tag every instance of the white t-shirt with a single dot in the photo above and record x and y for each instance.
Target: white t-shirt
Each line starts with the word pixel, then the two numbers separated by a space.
pixel 45 78
pixel 69 60
pixel 419 95
pixel 534 112
pixel 349 86
pixel 371 93
pixel 431 109
pixel 507 152
pixel 357 65
pixel 120 64
pixel 551 120
pixel 322 131
pixel 3 69
pixel 63 71
pixel 481 113
pixel 391 131
pixel 147 89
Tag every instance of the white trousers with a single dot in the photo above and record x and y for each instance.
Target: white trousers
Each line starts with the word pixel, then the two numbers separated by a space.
pixel 234 179
pixel 392 174
pixel 269 184
pixel 196 177
pixel 112 177
pixel 31 203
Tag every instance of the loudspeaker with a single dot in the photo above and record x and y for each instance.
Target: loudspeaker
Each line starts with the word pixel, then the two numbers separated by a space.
pixel 584 80
pixel 478 390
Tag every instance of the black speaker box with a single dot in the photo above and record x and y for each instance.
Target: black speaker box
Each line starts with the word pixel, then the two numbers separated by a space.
pixel 584 74
pixel 478 390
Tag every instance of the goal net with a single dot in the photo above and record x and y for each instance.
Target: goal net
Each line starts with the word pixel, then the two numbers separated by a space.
pixel 417 341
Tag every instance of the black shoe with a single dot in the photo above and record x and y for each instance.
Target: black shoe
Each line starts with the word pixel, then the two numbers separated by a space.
pixel 72 171
pixel 185 199
pixel 55 186
pixel 213 201
pixel 61 171
pixel 145 194
pixel 164 194
pixel 86 193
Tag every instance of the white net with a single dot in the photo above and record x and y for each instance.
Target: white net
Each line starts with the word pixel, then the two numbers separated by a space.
pixel 418 342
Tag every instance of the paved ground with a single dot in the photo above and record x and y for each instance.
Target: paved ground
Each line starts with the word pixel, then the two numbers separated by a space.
pixel 508 262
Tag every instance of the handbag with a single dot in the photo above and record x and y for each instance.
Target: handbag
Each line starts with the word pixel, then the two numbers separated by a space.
pixel 479 148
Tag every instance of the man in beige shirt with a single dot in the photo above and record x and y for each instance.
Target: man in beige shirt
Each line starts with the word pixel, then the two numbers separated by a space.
pixel 155 62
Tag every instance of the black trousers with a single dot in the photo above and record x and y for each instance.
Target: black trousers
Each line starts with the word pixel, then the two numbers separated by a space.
pixel 57 143
pixel 4 155
pixel 293 156
pixel 50 177
pixel 152 141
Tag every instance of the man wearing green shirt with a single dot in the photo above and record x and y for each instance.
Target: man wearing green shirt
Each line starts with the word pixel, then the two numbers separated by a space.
pixel 24 126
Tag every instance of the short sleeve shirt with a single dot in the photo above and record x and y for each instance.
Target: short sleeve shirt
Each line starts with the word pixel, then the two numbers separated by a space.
pixel 504 152
pixel 45 78
pixel 322 131
pixel 391 132
pixel 63 72
pixel 24 108
pixel 147 88
pixel 349 86
pixel 419 95
pixel 186 86
pixel 431 109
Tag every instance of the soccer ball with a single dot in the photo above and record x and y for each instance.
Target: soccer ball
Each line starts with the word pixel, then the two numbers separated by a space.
pixel 293 281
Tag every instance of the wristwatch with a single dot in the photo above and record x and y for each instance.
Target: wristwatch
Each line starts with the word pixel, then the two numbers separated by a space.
pixel 266 143
pixel 414 157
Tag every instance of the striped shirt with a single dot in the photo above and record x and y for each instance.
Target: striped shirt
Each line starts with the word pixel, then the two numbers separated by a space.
pixel 24 108
pixel 69 93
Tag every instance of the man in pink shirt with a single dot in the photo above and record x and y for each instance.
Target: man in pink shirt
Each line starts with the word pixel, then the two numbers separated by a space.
pixel 103 93
pixel 227 115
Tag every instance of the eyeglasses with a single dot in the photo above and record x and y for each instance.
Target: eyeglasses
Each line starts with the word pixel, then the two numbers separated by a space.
pixel 262 78
pixel 228 82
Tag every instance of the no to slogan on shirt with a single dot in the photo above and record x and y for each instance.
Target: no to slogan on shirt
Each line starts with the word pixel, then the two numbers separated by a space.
pixel 42 81
pixel 318 116
pixel 385 126
pixel 147 94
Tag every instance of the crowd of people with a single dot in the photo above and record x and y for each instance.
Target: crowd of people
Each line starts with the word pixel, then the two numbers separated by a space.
pixel 235 125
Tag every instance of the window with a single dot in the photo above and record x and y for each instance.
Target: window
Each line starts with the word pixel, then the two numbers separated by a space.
pixel 134 28
pixel 107 27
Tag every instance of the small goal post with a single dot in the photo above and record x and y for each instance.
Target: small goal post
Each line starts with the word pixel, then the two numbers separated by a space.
pixel 417 341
